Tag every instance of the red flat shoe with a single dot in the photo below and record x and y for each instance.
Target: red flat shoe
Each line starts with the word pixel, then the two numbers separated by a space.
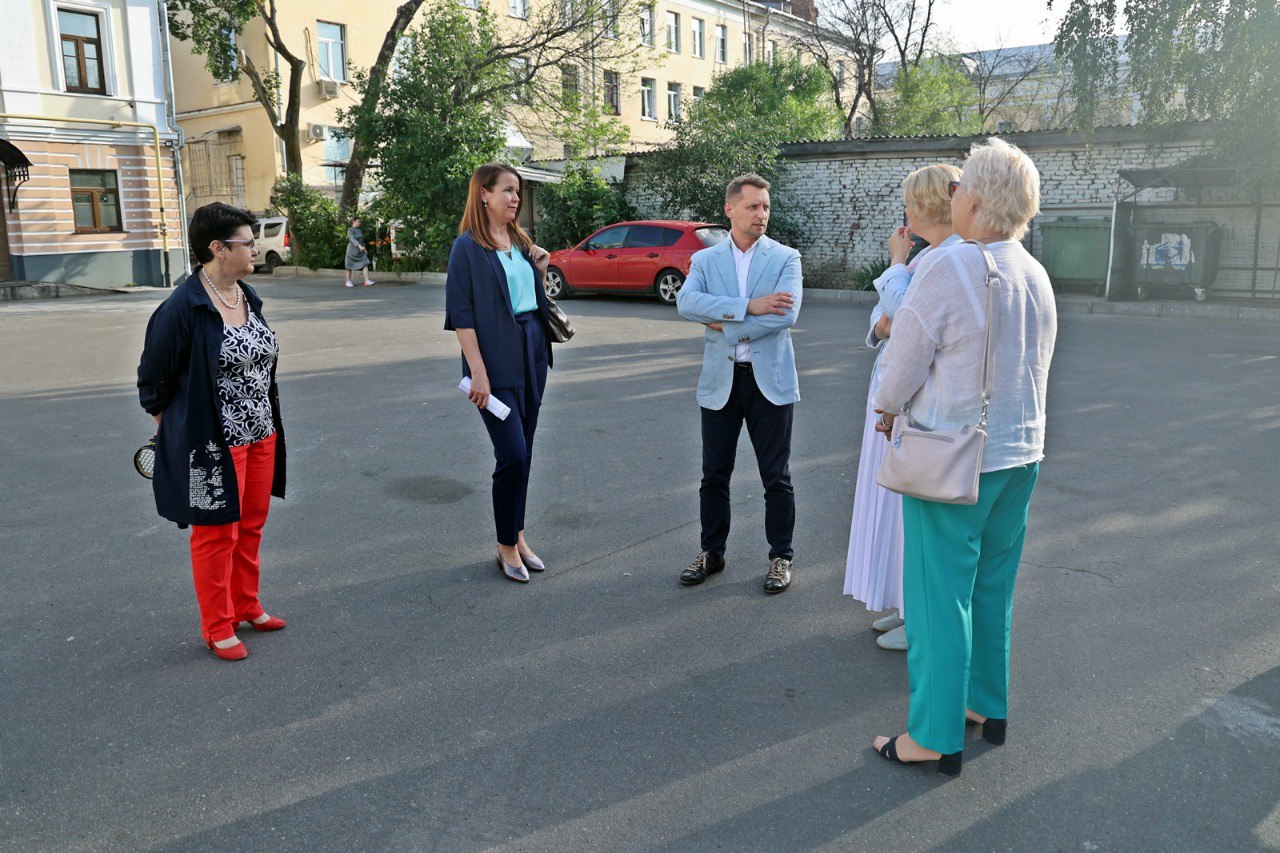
pixel 236 652
pixel 275 623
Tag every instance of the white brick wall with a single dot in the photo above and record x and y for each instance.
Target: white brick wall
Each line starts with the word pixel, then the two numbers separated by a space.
pixel 851 199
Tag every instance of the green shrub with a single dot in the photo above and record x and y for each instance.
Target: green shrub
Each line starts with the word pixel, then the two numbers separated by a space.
pixel 864 275
pixel 319 238
pixel 581 203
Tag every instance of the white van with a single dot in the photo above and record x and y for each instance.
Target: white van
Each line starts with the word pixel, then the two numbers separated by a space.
pixel 272 236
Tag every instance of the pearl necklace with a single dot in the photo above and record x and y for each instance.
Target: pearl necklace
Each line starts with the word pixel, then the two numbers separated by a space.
pixel 218 293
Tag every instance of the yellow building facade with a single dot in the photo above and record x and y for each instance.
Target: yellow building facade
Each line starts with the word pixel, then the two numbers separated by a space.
pixel 233 154
pixel 88 151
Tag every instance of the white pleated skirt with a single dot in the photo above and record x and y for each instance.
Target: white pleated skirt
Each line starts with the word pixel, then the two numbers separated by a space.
pixel 873 570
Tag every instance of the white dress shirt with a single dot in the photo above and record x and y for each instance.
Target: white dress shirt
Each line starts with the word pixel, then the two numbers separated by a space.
pixel 742 264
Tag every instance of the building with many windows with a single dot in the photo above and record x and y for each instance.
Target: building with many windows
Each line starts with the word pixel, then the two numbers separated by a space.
pixel 90 180
pixel 233 153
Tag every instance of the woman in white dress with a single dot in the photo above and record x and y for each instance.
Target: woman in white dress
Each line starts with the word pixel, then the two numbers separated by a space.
pixel 873 571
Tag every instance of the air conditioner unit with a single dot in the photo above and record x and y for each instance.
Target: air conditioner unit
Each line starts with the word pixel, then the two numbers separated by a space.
pixel 317 132
pixel 328 89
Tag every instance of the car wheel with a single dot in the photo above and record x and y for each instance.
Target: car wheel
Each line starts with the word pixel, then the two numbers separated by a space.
pixel 273 261
pixel 555 285
pixel 668 285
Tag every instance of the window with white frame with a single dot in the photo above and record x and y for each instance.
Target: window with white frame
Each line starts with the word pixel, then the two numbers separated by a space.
pixel 839 75
pixel 748 47
pixel 337 151
pixel 722 43
pixel 646 99
pixel 646 25
pixel 80 40
pixel 233 61
pixel 470 4
pixel 518 8
pixel 609 18
pixel 520 74
pixel 613 93
pixel 673 101
pixel 698 92
pixel 673 32
pixel 331 50
pixel 770 51
pixel 699 33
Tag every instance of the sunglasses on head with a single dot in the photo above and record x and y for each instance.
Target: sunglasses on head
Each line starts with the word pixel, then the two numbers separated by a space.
pixel 952 187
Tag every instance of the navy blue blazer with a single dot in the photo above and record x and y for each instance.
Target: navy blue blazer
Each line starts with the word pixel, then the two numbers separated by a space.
pixel 476 297
pixel 195 479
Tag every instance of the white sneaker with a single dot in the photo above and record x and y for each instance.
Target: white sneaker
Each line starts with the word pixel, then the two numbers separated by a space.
pixel 368 284
pixel 894 641
pixel 349 284
pixel 887 623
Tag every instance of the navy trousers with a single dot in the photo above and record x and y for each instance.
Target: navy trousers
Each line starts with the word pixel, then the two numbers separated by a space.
pixel 513 438
pixel 769 426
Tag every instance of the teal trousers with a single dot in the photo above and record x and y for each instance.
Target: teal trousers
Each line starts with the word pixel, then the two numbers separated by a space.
pixel 958 569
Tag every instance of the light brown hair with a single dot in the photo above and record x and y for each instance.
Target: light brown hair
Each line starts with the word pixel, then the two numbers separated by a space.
pixel 475 221
pixel 928 191
pixel 750 179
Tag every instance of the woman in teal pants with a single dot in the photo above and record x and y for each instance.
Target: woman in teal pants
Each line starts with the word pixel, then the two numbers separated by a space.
pixel 960 562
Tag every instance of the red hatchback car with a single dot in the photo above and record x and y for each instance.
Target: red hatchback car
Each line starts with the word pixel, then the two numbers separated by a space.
pixel 632 257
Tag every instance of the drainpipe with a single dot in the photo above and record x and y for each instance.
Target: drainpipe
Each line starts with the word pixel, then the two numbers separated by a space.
pixel 171 118
pixel 155 136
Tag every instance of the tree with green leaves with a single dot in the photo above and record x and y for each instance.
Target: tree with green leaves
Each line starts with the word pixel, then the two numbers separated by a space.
pixel 581 203
pixel 737 127
pixel 1187 61
pixel 935 97
pixel 214 27
pixel 440 115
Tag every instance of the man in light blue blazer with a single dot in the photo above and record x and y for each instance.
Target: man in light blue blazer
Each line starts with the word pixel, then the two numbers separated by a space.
pixel 746 291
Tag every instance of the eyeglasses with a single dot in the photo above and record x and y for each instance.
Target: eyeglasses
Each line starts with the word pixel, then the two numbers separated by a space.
pixel 952 187
pixel 252 244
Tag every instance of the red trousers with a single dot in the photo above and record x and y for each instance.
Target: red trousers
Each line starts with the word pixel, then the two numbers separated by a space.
pixel 224 557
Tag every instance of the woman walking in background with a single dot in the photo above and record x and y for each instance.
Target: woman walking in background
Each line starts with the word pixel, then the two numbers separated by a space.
pixel 960 560
pixel 495 302
pixel 207 376
pixel 873 570
pixel 357 253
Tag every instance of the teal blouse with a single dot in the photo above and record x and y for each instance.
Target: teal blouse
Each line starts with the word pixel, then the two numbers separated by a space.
pixel 519 281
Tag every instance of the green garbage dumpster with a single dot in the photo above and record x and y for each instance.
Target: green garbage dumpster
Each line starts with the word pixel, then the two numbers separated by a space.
pixel 1176 256
pixel 1076 252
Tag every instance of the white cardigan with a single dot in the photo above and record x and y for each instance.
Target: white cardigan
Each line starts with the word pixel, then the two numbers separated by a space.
pixel 933 361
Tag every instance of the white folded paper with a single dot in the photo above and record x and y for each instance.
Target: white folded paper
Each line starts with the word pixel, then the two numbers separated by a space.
pixel 499 409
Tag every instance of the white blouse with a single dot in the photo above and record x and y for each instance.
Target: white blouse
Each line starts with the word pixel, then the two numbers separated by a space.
pixel 933 361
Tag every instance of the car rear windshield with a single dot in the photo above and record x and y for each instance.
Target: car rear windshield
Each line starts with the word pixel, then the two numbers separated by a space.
pixel 711 236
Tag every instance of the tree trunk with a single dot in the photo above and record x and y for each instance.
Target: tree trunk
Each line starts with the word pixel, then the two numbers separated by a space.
pixel 358 162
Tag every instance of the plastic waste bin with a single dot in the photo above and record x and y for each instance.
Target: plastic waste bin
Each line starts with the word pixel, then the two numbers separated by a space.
pixel 1076 251
pixel 1176 256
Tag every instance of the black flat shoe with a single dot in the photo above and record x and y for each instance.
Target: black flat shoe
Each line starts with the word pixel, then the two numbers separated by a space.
pixel 779 577
pixel 994 730
pixel 704 566
pixel 948 765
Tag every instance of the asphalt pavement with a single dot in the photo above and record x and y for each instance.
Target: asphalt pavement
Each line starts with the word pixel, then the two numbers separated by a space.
pixel 419 701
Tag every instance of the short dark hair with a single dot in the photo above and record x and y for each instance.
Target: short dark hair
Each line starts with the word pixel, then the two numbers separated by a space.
pixel 750 179
pixel 216 221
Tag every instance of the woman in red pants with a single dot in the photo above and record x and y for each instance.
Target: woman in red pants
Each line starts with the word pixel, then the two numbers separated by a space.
pixel 207 376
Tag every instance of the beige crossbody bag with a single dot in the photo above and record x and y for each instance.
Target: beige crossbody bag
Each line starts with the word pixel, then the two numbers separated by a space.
pixel 943 465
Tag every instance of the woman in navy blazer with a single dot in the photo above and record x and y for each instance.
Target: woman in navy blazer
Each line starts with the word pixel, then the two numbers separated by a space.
pixel 495 302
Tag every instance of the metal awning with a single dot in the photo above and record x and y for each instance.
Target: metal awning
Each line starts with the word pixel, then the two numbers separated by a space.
pixel 1181 176
pixel 17 170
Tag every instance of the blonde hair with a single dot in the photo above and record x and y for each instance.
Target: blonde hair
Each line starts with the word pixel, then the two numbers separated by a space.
pixel 928 191
pixel 1003 178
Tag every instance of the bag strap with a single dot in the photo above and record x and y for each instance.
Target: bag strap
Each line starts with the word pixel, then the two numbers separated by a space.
pixel 993 279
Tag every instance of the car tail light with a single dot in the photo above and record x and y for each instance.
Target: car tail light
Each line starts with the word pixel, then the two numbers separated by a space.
pixel 286 239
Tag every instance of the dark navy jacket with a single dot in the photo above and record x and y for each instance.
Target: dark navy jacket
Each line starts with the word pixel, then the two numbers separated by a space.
pixel 195 479
pixel 477 297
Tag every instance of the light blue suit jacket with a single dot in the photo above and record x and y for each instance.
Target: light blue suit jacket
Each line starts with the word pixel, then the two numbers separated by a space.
pixel 710 295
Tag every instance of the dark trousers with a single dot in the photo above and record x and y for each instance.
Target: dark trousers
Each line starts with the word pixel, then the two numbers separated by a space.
pixel 769 427
pixel 513 438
